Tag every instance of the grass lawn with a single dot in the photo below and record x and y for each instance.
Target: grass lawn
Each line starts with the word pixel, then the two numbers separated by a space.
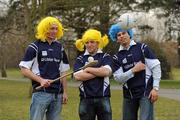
pixel 14 102
pixel 176 74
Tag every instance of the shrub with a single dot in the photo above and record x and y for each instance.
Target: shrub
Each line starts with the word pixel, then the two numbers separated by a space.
pixel 171 50
pixel 161 55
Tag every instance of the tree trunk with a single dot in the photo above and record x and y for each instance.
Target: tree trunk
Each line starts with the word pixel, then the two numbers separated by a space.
pixel 3 69
pixel 178 55
pixel 3 57
pixel 30 91
pixel 104 16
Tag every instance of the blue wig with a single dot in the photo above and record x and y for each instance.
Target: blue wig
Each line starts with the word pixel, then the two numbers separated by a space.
pixel 116 28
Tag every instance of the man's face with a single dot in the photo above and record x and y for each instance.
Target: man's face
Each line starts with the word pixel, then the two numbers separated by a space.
pixel 92 46
pixel 123 38
pixel 52 32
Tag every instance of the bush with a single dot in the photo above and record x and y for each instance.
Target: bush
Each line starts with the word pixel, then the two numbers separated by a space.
pixel 170 48
pixel 161 55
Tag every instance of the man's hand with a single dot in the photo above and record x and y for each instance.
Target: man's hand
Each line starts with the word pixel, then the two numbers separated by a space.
pixel 45 82
pixel 138 67
pixel 153 96
pixel 65 98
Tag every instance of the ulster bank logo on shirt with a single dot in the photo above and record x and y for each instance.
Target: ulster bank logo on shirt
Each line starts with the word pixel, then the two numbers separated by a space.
pixel 45 58
pixel 50 60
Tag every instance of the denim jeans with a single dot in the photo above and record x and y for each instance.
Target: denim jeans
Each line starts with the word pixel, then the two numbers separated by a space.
pixel 131 106
pixel 90 108
pixel 48 103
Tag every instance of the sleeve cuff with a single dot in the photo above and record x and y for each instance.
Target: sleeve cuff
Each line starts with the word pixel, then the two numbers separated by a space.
pixel 27 65
pixel 108 67
pixel 156 83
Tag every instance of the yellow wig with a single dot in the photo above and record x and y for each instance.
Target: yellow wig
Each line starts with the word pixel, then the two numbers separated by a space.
pixel 45 24
pixel 94 35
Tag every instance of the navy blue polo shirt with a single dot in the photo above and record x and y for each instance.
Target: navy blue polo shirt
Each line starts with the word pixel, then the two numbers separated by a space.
pixel 142 82
pixel 46 60
pixel 98 86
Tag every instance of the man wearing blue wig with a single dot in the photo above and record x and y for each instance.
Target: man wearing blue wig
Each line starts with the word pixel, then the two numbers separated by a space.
pixel 136 66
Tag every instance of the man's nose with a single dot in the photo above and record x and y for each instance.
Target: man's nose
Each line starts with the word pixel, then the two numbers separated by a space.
pixel 55 30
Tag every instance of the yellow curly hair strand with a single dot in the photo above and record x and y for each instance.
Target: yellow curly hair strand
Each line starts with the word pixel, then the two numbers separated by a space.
pixel 79 45
pixel 104 42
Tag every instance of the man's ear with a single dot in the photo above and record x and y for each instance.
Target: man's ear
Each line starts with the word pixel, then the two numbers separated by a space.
pixel 127 35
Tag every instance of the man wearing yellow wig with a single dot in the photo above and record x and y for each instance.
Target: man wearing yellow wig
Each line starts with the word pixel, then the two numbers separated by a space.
pixel 45 60
pixel 94 88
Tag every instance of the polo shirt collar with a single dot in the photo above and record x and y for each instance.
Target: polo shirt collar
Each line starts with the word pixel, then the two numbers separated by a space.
pixel 99 51
pixel 132 42
pixel 53 41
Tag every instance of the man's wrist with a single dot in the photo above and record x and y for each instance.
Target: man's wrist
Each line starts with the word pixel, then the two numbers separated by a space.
pixel 133 70
pixel 156 88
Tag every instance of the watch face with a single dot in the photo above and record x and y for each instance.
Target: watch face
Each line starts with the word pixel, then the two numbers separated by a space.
pixel 156 88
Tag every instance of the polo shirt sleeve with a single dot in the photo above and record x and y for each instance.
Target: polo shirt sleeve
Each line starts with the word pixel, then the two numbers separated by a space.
pixel 64 64
pixel 78 63
pixel 107 61
pixel 150 58
pixel 116 64
pixel 29 57
pixel 153 64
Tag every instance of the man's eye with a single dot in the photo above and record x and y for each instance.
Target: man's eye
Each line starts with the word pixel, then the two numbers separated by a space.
pixel 119 34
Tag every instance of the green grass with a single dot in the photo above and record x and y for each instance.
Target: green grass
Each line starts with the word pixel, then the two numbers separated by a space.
pixel 176 74
pixel 14 73
pixel 14 102
pixel 170 84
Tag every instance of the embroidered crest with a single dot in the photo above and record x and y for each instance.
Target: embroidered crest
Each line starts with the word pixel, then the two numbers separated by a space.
pixel 44 53
pixel 124 61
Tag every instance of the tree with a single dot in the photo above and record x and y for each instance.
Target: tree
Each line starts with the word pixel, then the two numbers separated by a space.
pixel 18 21
pixel 179 50
pixel 170 10
pixel 4 29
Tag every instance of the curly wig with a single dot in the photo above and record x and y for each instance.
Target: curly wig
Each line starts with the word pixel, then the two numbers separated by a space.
pixel 44 25
pixel 116 28
pixel 92 34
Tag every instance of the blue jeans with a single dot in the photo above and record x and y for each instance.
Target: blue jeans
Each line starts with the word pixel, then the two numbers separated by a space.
pixel 48 103
pixel 131 106
pixel 89 108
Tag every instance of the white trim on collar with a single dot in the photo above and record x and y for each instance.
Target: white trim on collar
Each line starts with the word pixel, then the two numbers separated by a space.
pixel 132 42
pixel 99 51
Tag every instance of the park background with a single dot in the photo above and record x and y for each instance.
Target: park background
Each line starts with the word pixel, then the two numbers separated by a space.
pixel 158 26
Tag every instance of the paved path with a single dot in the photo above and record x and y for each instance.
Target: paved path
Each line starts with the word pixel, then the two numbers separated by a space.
pixel 168 93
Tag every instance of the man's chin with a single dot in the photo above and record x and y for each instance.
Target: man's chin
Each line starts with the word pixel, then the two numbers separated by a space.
pixel 91 52
pixel 51 38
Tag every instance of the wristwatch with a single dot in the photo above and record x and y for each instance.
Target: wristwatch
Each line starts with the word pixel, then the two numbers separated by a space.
pixel 156 88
